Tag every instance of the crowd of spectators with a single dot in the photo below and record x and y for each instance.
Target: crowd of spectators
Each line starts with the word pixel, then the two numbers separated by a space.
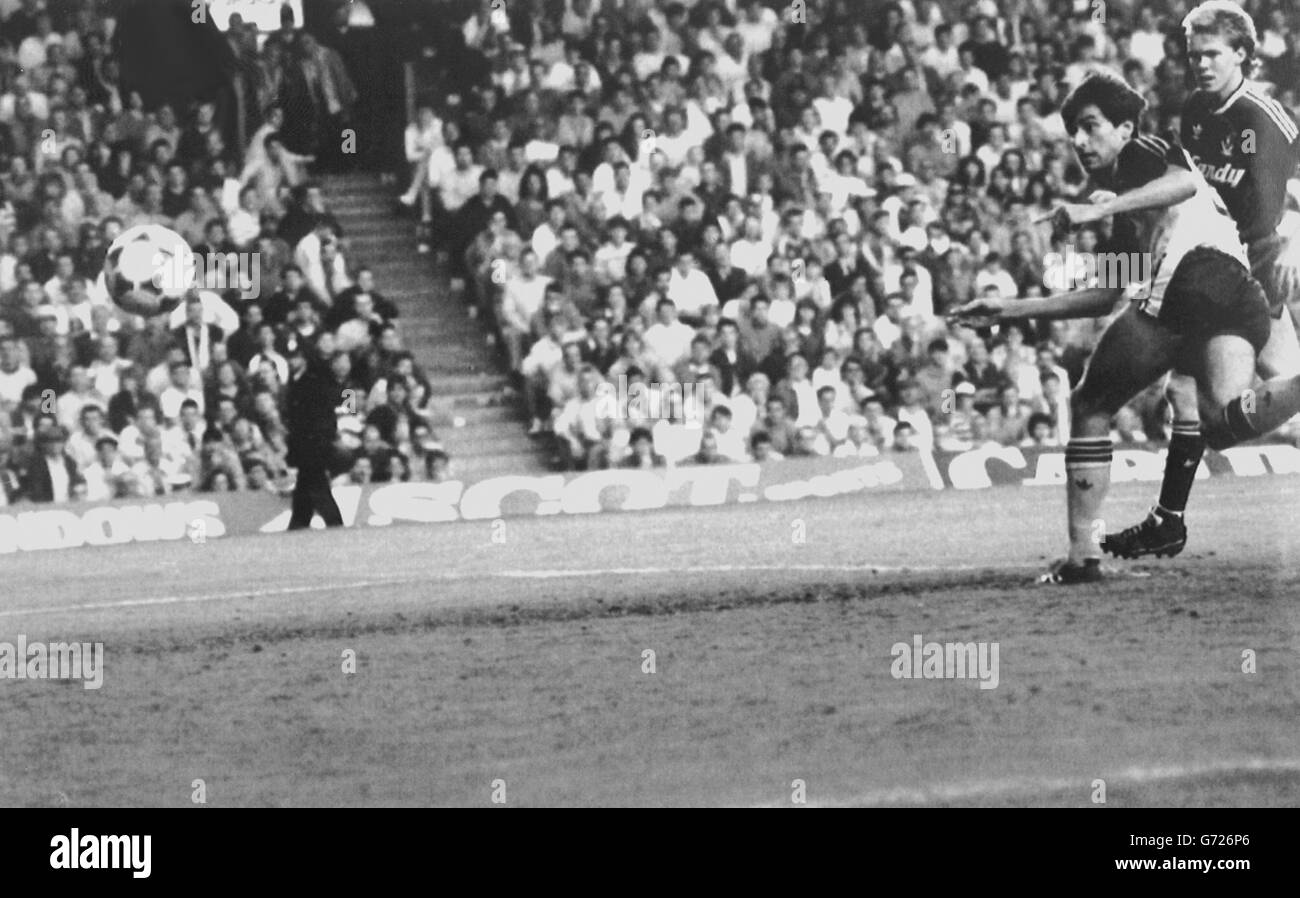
pixel 769 208
pixel 99 404
pixel 760 212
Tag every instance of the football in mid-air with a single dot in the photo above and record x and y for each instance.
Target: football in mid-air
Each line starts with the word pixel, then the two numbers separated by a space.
pixel 148 269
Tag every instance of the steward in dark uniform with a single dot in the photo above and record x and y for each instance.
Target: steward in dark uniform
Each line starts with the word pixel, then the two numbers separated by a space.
pixel 313 396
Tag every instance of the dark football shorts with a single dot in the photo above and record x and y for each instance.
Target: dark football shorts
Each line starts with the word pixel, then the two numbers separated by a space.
pixel 1263 254
pixel 1211 294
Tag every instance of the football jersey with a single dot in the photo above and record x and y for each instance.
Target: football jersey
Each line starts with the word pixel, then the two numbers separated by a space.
pixel 1169 233
pixel 1246 147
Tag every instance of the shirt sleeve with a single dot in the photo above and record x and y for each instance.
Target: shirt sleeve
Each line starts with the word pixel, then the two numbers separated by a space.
pixel 1147 157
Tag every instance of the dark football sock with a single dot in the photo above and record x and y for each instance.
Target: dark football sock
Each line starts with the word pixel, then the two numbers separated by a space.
pixel 1186 447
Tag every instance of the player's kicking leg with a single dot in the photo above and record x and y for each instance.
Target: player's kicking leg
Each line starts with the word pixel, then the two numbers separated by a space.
pixel 1134 350
pixel 1163 533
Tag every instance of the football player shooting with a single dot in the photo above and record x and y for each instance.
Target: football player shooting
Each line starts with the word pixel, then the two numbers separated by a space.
pixel 1202 311
pixel 1245 145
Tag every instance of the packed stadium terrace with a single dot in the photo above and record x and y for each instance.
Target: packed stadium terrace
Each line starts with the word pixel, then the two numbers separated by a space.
pixel 695 234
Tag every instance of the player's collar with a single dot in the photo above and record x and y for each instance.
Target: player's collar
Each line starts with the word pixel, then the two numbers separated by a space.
pixel 1232 97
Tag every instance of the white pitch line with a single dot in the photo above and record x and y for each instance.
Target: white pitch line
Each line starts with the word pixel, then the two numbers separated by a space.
pixel 179 600
pixel 758 568
pixel 445 577
pixel 1038 785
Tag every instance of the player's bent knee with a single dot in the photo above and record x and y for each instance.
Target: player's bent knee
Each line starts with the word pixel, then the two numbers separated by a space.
pixel 1228 428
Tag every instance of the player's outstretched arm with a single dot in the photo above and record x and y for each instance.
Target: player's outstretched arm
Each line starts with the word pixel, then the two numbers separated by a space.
pixel 1171 188
pixel 1090 302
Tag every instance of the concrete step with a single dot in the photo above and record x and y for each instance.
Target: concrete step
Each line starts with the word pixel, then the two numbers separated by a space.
pixel 455 385
pixel 357 199
pixel 450 347
pixel 473 416
pixel 485 433
pixel 481 467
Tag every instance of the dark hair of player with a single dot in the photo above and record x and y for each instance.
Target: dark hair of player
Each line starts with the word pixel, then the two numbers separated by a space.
pixel 1117 101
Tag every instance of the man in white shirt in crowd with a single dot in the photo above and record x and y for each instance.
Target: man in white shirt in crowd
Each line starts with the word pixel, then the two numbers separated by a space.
pixel 688 287
pixel 992 274
pixel 546 236
pixel 911 411
pixel 15 376
pixel 731 440
pixel 585 423
pixel 108 476
pixel 80 393
pixel 889 326
pixel 668 339
pixel 90 428
pixel 461 182
pixel 611 257
pixel 179 391
pixel 624 196
pixel 521 298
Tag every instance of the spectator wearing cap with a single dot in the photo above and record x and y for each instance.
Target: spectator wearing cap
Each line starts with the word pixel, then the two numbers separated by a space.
pixel 52 476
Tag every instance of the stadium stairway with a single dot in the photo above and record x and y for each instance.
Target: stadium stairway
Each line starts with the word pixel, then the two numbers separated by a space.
pixel 452 348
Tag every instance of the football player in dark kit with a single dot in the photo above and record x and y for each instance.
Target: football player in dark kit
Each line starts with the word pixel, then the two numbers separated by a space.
pixel 313 396
pixel 1245 145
